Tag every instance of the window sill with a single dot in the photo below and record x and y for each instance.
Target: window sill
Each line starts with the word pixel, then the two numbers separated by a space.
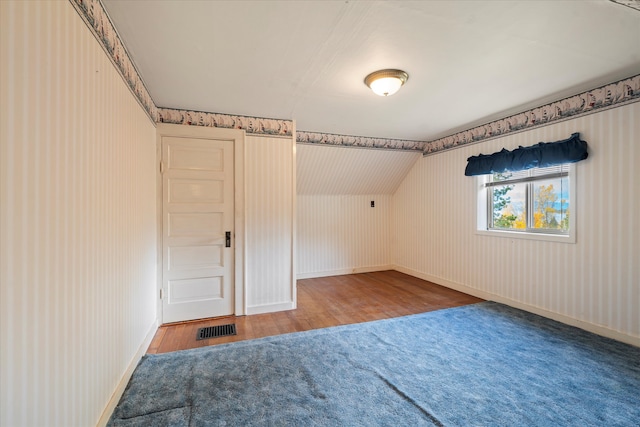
pixel 570 238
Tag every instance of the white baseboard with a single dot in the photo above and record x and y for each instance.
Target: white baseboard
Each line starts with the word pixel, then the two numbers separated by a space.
pixel 344 271
pixel 587 326
pixel 117 394
pixel 271 308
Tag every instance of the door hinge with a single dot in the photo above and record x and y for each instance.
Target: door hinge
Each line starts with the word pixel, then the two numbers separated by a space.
pixel 160 293
pixel 161 167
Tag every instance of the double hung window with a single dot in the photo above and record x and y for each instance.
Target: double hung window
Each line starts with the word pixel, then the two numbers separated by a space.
pixel 532 203
pixel 529 192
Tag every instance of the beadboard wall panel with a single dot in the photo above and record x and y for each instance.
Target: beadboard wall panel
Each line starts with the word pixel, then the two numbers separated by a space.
pixel 343 234
pixel 270 227
pixel 594 283
pixel 338 230
pixel 77 220
pixel 357 171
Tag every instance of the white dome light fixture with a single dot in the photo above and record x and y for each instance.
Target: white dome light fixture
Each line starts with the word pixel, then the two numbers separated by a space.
pixel 386 82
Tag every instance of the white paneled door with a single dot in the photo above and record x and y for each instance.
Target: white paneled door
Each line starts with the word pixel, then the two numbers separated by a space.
pixel 198 228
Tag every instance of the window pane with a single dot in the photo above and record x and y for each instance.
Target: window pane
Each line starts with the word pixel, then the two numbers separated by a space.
pixel 551 204
pixel 503 176
pixel 551 169
pixel 533 202
pixel 509 207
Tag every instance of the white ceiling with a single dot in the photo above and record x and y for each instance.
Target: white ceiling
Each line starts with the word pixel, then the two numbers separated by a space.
pixel 469 62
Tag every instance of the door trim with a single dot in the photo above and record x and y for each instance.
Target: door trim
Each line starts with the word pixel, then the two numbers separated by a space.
pixel 238 137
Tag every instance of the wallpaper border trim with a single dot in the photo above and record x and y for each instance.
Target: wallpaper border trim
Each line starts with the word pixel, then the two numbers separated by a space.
pixel 604 97
pixel 633 4
pixel 95 16
pixel 253 125
pixel 319 138
pixel 608 96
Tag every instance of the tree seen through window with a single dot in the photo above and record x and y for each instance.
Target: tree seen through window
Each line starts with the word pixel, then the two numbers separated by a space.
pixel 532 200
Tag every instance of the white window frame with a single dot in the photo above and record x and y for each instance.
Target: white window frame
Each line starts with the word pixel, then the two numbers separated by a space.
pixel 482 214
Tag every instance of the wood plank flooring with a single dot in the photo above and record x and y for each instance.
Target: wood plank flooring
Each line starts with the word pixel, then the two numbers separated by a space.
pixel 324 302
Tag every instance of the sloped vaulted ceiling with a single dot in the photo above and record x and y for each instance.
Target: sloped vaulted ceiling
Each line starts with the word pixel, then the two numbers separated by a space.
pixel 478 69
pixel 469 62
pixel 339 170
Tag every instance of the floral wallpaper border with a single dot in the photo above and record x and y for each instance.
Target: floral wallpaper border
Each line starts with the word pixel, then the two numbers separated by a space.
pixel 93 13
pixel 612 95
pixel 255 125
pixel 633 4
pixel 303 137
pixel 97 19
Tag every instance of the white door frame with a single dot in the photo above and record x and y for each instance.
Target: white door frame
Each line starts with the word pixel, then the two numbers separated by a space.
pixel 238 136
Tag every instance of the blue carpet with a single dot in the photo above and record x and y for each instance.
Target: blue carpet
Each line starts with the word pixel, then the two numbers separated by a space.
pixel 483 365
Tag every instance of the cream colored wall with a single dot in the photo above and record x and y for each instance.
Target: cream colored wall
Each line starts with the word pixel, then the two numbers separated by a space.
pixel 594 283
pixel 270 223
pixel 78 217
pixel 338 230
pixel 343 234
pixel 77 220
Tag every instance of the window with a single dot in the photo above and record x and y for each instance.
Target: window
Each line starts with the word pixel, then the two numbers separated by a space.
pixel 534 203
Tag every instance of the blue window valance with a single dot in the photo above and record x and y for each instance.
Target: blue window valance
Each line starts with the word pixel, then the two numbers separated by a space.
pixel 540 155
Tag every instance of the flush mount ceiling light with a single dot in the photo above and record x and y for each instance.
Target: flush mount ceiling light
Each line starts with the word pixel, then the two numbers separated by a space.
pixel 386 82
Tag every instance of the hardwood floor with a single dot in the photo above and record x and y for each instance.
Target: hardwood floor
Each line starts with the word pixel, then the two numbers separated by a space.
pixel 324 302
